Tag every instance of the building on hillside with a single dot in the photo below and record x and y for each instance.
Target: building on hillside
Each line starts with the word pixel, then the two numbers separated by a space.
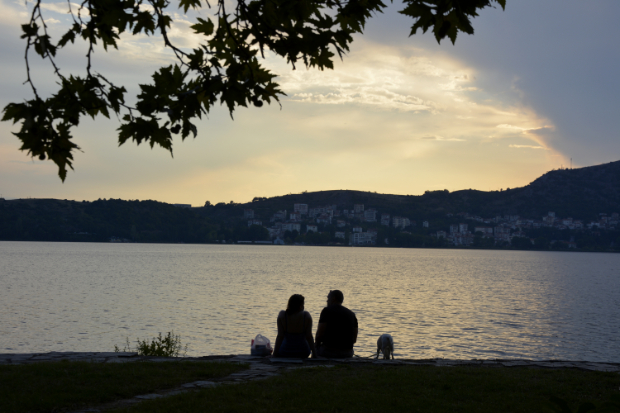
pixel 312 228
pixel 370 215
pixel 363 238
pixel 295 216
pixel 358 208
pixel 341 224
pixel 357 229
pixel 324 219
pixel 301 209
pixel 339 234
pixel 501 233
pixel 425 224
pixel 442 234
pixel 248 213
pixel 291 226
pixel 254 222
pixel 454 229
pixel 486 231
pixel 463 228
pixel 463 239
pixel 314 212
pixel 385 219
pixel 548 220
pixel 279 216
pixel 401 222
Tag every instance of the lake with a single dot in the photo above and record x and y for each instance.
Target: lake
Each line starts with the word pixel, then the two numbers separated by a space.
pixel 459 304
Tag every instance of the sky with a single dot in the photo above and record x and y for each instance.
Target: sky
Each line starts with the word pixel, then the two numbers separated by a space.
pixel 535 88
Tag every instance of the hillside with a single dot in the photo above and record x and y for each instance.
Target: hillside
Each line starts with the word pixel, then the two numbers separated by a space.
pixel 578 193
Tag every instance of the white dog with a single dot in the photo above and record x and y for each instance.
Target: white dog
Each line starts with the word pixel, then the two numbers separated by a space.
pixel 385 345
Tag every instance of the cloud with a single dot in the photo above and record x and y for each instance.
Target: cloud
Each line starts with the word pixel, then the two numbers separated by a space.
pixel 527 147
pixel 440 96
pixel 379 97
pixel 441 138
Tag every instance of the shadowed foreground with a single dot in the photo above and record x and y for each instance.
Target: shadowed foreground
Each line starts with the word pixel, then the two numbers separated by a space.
pixel 126 382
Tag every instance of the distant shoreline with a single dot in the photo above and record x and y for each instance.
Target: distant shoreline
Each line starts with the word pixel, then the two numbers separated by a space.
pixel 452 248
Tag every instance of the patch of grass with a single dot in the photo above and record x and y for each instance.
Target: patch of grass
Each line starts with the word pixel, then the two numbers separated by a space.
pixel 45 387
pixel 160 346
pixel 398 389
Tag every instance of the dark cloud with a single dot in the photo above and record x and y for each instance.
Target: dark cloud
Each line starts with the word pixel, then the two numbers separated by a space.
pixel 560 57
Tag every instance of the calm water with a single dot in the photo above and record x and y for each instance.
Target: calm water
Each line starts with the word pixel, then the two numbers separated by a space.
pixel 436 303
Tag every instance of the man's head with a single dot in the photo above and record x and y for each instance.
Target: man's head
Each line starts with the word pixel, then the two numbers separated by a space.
pixel 335 297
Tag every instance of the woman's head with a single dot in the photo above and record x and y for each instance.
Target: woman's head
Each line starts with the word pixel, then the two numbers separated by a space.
pixel 295 304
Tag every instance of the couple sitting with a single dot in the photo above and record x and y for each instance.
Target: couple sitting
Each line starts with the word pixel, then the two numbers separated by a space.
pixel 335 335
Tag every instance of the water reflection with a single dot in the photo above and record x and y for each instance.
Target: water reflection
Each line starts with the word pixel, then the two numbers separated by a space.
pixel 436 303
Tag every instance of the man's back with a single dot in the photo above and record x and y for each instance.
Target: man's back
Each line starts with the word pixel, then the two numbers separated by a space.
pixel 341 327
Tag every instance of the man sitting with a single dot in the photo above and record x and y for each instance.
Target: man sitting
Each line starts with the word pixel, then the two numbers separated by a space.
pixel 337 330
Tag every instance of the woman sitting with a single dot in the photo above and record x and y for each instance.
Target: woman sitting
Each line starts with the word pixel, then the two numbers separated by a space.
pixel 294 338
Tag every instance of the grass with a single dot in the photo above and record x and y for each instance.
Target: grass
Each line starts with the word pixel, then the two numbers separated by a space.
pixel 47 387
pixel 398 389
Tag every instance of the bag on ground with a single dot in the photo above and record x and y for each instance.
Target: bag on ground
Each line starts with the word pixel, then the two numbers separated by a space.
pixel 261 346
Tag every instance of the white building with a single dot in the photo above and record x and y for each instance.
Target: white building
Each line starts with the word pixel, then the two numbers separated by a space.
pixel 254 222
pixel 400 222
pixel 370 215
pixel 312 228
pixel 339 234
pixel 358 208
pixel 357 229
pixel 295 216
pixel 248 213
pixel 363 238
pixel 291 226
pixel 279 216
pixel 301 209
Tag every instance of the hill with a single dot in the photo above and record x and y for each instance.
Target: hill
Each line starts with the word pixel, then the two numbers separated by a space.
pixel 578 193
pixel 581 193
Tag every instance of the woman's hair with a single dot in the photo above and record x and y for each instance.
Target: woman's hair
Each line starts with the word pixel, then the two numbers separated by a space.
pixel 294 304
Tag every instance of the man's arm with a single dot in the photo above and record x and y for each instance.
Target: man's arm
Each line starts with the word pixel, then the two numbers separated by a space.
pixel 320 334
pixel 354 335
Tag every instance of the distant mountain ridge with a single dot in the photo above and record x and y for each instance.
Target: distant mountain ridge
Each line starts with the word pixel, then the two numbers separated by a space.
pixel 580 193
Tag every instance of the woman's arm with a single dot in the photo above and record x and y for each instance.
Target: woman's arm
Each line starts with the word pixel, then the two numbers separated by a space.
pixel 309 338
pixel 280 336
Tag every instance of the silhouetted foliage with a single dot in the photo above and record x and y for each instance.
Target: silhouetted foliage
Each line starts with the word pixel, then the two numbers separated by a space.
pixel 225 67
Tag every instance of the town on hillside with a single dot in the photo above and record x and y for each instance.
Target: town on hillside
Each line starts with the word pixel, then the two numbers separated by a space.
pixel 367 226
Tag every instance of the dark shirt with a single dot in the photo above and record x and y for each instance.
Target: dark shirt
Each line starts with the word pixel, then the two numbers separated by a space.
pixel 341 324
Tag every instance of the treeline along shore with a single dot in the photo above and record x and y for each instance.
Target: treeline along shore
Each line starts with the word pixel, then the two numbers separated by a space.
pixel 567 209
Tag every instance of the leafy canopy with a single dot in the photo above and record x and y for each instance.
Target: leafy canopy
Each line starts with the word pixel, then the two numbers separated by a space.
pixel 225 68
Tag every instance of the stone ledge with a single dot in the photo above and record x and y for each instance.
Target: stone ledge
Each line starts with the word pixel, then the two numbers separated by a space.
pixel 261 366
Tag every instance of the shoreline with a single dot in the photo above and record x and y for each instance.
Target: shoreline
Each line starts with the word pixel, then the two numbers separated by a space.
pixel 14 359
pixel 453 248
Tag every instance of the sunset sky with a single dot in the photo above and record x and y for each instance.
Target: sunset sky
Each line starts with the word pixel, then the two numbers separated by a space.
pixel 535 86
